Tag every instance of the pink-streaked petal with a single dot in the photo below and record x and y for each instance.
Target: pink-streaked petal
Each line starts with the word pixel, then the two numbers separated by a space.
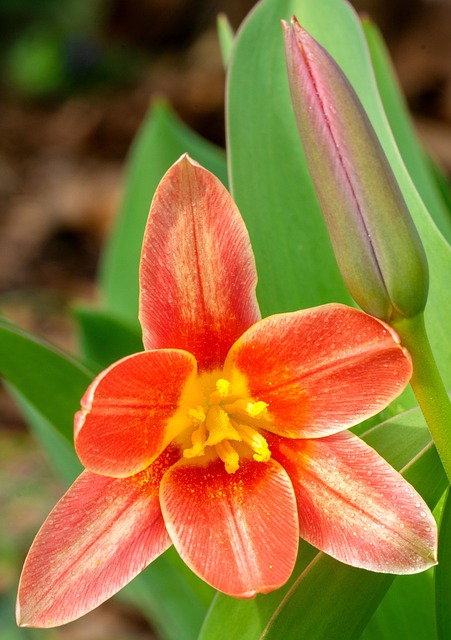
pixel 197 272
pixel 239 531
pixel 133 410
pixel 100 535
pixel 321 370
pixel 354 506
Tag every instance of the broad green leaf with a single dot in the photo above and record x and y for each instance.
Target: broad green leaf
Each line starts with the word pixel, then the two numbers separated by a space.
pixel 325 598
pixel 268 174
pixel 52 382
pixel 47 385
pixel 443 574
pixel 104 338
pixel 397 113
pixel 162 139
pixel 407 611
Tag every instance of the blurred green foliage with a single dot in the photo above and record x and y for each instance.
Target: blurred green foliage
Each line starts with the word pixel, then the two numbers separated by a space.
pixel 57 47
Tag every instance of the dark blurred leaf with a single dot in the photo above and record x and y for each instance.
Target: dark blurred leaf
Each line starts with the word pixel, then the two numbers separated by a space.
pixel 52 382
pixel 59 449
pixel 104 338
pixel 226 37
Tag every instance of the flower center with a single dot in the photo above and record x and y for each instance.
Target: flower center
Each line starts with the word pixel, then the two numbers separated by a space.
pixel 227 422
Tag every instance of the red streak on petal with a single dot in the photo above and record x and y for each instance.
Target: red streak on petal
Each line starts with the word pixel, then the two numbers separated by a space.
pixel 133 410
pixel 237 531
pixel 354 506
pixel 321 370
pixel 197 270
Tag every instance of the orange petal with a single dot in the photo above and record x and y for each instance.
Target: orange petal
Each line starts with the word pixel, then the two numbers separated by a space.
pixel 321 370
pixel 100 535
pixel 197 271
pixel 354 506
pixel 237 531
pixel 133 410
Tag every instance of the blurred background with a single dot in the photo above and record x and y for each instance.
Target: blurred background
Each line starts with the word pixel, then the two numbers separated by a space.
pixel 76 78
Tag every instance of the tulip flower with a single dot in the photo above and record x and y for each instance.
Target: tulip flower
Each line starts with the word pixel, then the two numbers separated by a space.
pixel 227 437
pixel 376 245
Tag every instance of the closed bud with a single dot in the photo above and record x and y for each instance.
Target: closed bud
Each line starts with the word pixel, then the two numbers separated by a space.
pixel 376 245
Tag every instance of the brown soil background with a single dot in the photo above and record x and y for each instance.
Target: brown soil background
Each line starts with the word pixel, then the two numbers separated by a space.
pixel 61 167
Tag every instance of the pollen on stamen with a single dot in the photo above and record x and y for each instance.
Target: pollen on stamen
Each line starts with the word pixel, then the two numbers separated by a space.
pixel 223 387
pixel 256 442
pixel 228 455
pixel 197 415
pixel 256 409
pixel 198 440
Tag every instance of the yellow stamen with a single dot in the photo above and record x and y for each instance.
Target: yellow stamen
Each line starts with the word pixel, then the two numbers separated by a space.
pixel 197 415
pixel 224 417
pixel 199 441
pixel 257 409
pixel 223 387
pixel 256 442
pixel 228 455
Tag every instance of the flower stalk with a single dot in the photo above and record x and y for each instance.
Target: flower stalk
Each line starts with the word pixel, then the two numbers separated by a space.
pixel 427 385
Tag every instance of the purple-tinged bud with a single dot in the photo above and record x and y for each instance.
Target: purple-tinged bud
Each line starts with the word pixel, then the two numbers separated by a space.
pixel 376 245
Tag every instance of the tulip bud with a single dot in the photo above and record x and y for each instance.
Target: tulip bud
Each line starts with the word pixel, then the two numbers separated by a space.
pixel 376 245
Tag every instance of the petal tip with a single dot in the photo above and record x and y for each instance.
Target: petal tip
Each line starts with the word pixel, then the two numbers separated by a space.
pixel 186 160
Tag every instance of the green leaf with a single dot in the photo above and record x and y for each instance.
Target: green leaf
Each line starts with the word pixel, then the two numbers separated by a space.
pixel 406 611
pixel 171 596
pixel 325 598
pixel 105 339
pixel 161 140
pixel 442 182
pixel 50 381
pixel 226 38
pixel 268 174
pixel 443 574
pixel 397 113
pixel 59 449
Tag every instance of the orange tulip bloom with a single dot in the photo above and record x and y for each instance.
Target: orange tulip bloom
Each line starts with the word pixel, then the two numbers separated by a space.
pixel 227 436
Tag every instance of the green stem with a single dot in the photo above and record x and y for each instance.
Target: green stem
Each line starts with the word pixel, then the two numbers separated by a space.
pixel 428 385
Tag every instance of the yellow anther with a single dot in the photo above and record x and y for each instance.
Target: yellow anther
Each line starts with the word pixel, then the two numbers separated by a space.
pixel 220 417
pixel 199 441
pixel 257 409
pixel 223 387
pixel 228 455
pixel 255 441
pixel 197 415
